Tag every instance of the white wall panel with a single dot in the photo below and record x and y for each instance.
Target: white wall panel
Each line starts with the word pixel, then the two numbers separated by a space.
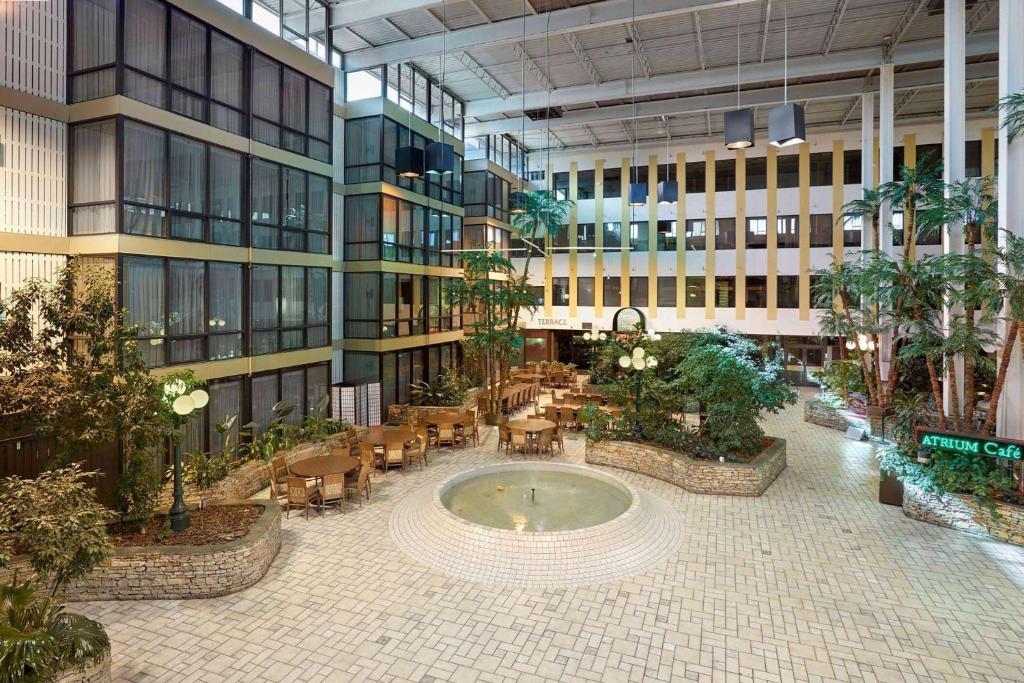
pixel 33 191
pixel 17 267
pixel 32 44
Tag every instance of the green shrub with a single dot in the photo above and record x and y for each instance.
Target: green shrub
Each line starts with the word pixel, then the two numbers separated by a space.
pixel 448 389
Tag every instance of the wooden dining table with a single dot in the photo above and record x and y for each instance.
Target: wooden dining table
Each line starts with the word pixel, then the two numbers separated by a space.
pixel 320 466
pixel 379 436
pixel 531 425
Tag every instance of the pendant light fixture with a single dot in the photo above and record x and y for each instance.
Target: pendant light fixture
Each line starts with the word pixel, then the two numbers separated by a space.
pixel 786 123
pixel 440 156
pixel 637 190
pixel 668 190
pixel 409 159
pixel 517 199
pixel 739 123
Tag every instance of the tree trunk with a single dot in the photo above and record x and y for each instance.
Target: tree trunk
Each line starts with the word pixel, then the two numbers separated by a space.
pixel 909 226
pixel 997 387
pixel 933 377
pixel 954 396
pixel 875 231
pixel 969 359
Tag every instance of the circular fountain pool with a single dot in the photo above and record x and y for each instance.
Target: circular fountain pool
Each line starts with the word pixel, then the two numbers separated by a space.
pixel 538 498
pixel 535 525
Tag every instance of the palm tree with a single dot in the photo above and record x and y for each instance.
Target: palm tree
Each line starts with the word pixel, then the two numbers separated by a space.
pixel 1012 107
pixel 38 638
pixel 914 189
pixel 868 205
pixel 543 213
pixel 1008 260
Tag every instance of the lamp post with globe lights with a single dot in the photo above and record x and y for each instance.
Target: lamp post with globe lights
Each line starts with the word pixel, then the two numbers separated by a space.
pixel 592 339
pixel 637 363
pixel 183 404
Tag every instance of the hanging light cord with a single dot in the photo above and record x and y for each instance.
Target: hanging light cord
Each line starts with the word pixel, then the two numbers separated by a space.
pixel 737 56
pixel 632 84
pixel 522 136
pixel 547 70
pixel 443 61
pixel 785 53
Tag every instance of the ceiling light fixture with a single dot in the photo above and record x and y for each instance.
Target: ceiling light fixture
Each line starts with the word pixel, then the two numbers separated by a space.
pixel 786 123
pixel 739 123
pixel 637 190
pixel 440 156
pixel 668 190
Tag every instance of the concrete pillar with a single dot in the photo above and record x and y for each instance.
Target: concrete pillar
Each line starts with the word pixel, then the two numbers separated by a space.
pixel 1011 199
pixel 867 159
pixel 953 136
pixel 886 114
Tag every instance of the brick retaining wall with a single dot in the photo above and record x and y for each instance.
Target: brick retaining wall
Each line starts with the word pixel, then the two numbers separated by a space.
pixel 94 673
pixel 965 513
pixel 400 413
pixel 820 413
pixel 691 474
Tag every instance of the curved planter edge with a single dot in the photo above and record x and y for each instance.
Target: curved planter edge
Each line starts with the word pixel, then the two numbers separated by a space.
pixel 93 673
pixel 696 476
pixel 965 513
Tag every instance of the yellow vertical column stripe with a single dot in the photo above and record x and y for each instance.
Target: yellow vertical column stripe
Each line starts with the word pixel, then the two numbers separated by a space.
pixel 988 151
pixel 771 212
pixel 598 238
pixel 573 229
pixel 709 234
pixel 681 237
pixel 805 231
pixel 652 236
pixel 910 150
pixel 548 264
pixel 624 222
pixel 741 234
pixel 837 201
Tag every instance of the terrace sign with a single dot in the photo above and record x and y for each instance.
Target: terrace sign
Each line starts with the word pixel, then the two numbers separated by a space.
pixel 968 444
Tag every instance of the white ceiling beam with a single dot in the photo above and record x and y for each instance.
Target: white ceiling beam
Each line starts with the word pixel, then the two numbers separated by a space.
pixel 349 12
pixel 597 15
pixel 833 27
pixel 832 90
pixel 983 42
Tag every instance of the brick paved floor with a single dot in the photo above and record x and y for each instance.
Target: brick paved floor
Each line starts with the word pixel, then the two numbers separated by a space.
pixel 814 581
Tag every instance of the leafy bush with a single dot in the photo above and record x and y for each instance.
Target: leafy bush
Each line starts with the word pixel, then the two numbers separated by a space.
pixel 203 470
pixel 448 389
pixel 279 434
pixel 56 521
pixel 317 426
pixel 39 639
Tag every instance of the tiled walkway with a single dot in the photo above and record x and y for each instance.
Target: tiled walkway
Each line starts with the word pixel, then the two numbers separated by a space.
pixel 814 581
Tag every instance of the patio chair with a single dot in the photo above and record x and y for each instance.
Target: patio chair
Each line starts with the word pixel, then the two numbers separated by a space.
pixel 394 455
pixel 417 452
pixel 301 494
pixel 446 435
pixel 504 437
pixel 551 413
pixel 278 485
pixel 472 428
pixel 360 484
pixel 369 451
pixel 520 444
pixel 544 441
pixel 556 438
pixel 333 492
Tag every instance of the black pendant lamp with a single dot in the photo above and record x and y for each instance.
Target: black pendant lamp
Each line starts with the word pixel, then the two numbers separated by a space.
pixel 440 156
pixel 668 190
pixel 739 123
pixel 637 194
pixel 517 203
pixel 409 162
pixel 786 123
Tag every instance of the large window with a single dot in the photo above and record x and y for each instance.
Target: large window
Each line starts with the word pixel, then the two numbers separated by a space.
pixel 821 230
pixel 559 291
pixel 638 291
pixel 585 291
pixel 788 231
pixel 289 308
pixel 188 311
pixel 176 62
pixel 666 291
pixel 821 168
pixel 585 184
pixel 757 232
pixel 788 291
pixel 639 236
pixel 725 291
pixel 725 233
pixel 612 182
pixel 386 305
pixel 301 387
pixel 667 235
pixel 757 291
pixel 696 236
pixel 757 173
pixel 788 170
pixel 695 288
pixel 612 235
pixel 725 175
pixel 585 236
pixel 290 208
pixel 93 180
pixel 611 290
pixel 486 194
pixel 396 371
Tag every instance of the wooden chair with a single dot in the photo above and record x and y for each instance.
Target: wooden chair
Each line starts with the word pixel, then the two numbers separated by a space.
pixel 278 486
pixel 519 443
pixel 418 452
pixel 360 485
pixel 333 492
pixel 394 456
pixel 368 450
pixel 551 413
pixel 544 441
pixel 557 438
pixel 301 495
pixel 429 429
pixel 446 435
pixel 471 428
pixel 504 437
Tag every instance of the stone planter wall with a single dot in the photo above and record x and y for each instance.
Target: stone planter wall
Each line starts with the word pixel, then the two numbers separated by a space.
pixel 698 476
pixel 406 414
pixel 820 413
pixel 965 513
pixel 251 477
pixel 94 673
pixel 178 572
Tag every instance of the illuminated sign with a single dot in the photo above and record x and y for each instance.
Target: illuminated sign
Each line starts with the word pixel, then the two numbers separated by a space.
pixel 968 444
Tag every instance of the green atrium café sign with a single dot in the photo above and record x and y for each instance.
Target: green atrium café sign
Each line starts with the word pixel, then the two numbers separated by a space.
pixel 969 444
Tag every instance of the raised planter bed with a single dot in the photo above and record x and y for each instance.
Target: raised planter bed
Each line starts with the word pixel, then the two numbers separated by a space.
pixel 1001 521
pixel 407 414
pixel 694 475
pixel 174 572
pixel 94 673
pixel 251 477
pixel 823 414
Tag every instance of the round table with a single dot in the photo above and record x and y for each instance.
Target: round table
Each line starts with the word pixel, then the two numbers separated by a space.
pixel 378 436
pixel 531 425
pixel 320 466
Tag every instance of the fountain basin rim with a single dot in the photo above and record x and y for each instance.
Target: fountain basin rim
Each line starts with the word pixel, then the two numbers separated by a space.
pixel 514 465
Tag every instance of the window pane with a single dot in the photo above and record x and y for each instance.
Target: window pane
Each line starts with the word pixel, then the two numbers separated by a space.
pixel 266 88
pixel 264 297
pixel 188 174
pixel 294 198
pixel 225 402
pixel 294 98
pixel 638 291
pixel 186 315
pixel 319 110
pixel 666 291
pixel 361 85
pixel 264 396
pixel 188 53
pixel 293 390
pixel 93 162
pixel 144 164
pixel 316 312
pixel 145 36
pixel 585 291
pixel 225 183
pixel 612 291
pixel 94 29
pixel 265 192
pixel 225 297
pixel 227 64
pixel 143 296
pixel 293 296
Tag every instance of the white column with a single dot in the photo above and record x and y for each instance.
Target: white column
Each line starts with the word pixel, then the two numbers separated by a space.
pixel 953 124
pixel 1011 199
pixel 886 114
pixel 867 159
